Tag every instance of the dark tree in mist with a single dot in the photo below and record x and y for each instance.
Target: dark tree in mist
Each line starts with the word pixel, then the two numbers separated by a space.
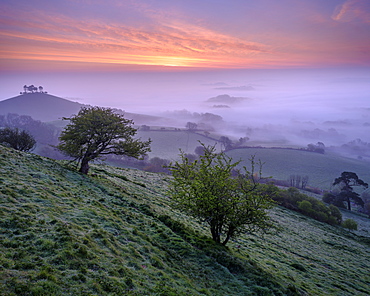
pixel 347 181
pixel 191 126
pixel 226 142
pixel 17 139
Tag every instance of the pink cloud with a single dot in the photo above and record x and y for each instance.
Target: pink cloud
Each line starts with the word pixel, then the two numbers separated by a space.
pixel 353 10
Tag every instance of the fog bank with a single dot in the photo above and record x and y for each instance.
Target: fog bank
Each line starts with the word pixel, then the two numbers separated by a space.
pixel 295 107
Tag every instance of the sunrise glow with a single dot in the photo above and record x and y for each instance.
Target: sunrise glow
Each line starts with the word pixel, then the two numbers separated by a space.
pixel 308 34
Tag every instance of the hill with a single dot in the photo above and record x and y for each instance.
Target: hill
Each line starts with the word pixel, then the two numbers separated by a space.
pixel 40 106
pixel 46 107
pixel 113 233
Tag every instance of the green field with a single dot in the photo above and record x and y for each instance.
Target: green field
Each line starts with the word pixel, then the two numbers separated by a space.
pixel 321 169
pixel 114 233
pixel 167 144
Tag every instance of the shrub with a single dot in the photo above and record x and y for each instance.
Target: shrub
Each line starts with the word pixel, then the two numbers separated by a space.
pixel 305 206
pixel 335 212
pixel 16 139
pixel 350 224
pixel 294 200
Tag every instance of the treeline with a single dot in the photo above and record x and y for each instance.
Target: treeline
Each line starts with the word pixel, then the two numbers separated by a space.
pixel 42 132
pixel 45 134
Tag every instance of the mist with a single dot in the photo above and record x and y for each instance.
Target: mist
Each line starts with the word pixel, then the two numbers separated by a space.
pixel 276 107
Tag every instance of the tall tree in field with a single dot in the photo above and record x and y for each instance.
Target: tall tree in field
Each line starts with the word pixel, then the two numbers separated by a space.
pixel 95 132
pixel 347 181
pixel 206 190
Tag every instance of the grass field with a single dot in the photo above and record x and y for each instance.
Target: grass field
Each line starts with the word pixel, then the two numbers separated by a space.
pixel 167 144
pixel 114 233
pixel 321 169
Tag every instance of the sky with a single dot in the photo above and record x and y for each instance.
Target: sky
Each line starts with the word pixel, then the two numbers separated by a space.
pixel 114 35
pixel 306 61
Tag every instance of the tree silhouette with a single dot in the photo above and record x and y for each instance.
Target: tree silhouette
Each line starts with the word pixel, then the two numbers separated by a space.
pixel 347 181
pixel 191 126
pixel 17 139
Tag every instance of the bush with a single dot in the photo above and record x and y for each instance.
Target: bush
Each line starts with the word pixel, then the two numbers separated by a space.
pixel 350 224
pixel 294 200
pixel 335 212
pixel 305 206
pixel 16 139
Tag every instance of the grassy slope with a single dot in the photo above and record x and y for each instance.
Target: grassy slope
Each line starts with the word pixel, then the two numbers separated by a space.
pixel 113 233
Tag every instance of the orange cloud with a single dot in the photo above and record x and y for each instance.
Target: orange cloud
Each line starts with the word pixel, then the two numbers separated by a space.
pixel 62 37
pixel 166 39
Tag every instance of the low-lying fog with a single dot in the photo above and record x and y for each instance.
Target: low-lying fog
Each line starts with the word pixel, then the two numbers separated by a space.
pixel 287 107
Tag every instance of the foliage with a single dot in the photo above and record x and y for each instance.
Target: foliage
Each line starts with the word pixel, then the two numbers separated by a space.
pixel 97 131
pixel 331 198
pixel 157 165
pixel 43 133
pixel 346 182
pixel 226 142
pixel 294 200
pixel 16 139
pixel 191 126
pixel 32 89
pixel 206 190
pixel 318 148
pixel 350 224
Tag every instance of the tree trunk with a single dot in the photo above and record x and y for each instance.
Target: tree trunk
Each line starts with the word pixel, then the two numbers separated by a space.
pixel 349 203
pixel 84 169
pixel 215 234
pixel 226 240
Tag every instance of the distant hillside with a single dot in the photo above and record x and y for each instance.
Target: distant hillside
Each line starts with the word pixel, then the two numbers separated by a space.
pixel 321 169
pixel 46 107
pixel 113 233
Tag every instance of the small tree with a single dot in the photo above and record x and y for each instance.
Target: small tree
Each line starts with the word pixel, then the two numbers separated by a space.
pixel 16 139
pixel 95 132
pixel 206 190
pixel 347 181
pixel 226 142
pixel 191 126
